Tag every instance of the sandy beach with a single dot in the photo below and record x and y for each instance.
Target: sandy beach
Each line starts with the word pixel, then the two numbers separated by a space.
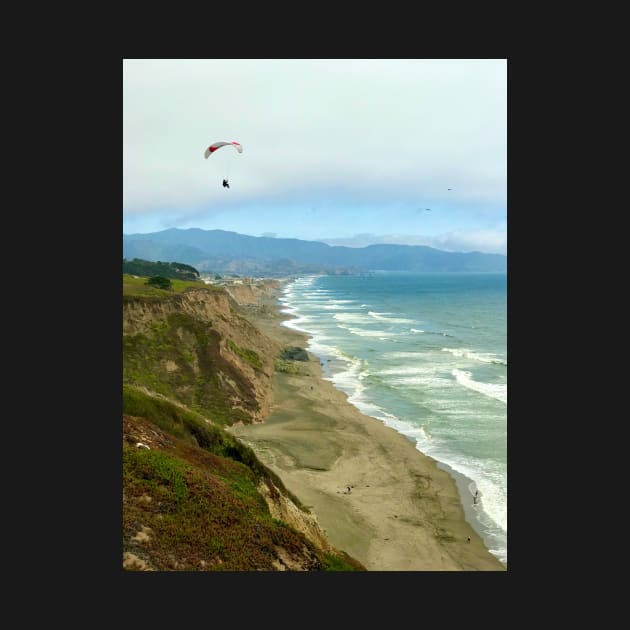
pixel 374 494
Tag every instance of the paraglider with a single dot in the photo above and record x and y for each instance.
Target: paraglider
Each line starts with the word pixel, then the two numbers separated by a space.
pixel 217 145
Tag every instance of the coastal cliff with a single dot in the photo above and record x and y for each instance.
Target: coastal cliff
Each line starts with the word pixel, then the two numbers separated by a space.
pixel 195 347
pixel 194 496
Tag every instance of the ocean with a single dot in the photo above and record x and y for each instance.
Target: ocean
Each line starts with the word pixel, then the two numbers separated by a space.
pixel 425 353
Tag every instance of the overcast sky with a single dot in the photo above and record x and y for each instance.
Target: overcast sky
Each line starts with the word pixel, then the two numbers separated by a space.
pixel 345 151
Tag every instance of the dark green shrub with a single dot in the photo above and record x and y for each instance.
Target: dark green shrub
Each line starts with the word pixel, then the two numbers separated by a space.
pixel 159 281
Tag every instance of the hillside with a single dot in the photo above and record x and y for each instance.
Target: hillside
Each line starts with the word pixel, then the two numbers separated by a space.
pixel 194 497
pixel 228 252
pixel 173 270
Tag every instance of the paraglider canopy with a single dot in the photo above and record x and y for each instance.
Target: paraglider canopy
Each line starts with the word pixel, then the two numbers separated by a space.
pixel 217 145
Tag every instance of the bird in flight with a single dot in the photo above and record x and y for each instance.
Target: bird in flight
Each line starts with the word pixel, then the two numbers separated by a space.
pixel 449 189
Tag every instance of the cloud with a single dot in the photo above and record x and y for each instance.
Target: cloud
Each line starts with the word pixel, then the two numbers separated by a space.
pixel 344 133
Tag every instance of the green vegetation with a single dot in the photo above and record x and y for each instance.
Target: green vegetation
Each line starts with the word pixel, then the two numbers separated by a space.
pixel 343 562
pixel 200 504
pixel 287 367
pixel 160 360
pixel 286 361
pixel 173 270
pixel 160 282
pixel 162 470
pixel 188 510
pixel 248 355
pixel 138 287
pixel 193 428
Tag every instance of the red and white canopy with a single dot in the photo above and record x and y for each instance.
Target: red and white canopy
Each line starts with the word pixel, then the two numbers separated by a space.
pixel 217 145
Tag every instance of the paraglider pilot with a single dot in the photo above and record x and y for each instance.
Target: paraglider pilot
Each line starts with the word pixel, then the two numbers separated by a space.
pixel 225 183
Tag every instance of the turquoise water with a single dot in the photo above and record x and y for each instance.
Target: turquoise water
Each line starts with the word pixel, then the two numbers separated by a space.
pixel 427 355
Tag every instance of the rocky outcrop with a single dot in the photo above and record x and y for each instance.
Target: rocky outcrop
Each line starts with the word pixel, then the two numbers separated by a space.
pixel 283 508
pixel 249 294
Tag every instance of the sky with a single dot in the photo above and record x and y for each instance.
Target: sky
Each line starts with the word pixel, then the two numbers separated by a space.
pixel 343 151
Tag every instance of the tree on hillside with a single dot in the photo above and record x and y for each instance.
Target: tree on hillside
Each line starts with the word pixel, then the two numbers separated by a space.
pixel 185 269
pixel 159 281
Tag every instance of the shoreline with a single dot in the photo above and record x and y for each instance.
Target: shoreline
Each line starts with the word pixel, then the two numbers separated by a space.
pixel 405 510
pixel 464 486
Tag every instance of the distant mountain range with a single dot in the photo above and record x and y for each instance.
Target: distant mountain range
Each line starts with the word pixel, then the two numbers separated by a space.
pixel 229 252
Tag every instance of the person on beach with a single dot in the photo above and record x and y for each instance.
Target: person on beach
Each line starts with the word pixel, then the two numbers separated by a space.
pixel 475 497
pixel 347 489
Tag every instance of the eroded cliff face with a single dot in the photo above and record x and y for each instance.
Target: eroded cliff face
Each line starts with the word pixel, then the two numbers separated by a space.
pixel 215 345
pixel 283 508
pixel 252 293
pixel 179 344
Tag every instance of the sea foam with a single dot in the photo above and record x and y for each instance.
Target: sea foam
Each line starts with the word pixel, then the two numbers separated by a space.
pixel 486 357
pixel 493 390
